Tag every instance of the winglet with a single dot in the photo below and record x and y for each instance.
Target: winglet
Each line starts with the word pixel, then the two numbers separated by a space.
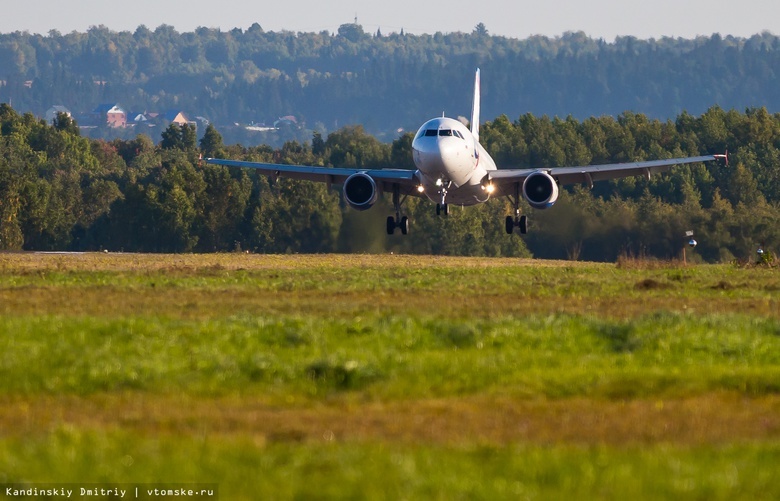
pixel 724 156
pixel 475 108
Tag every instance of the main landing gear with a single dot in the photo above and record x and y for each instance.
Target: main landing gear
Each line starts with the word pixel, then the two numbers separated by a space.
pixel 398 221
pixel 393 223
pixel 442 209
pixel 518 221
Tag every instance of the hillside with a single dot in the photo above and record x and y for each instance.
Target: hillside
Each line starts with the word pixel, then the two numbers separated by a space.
pixel 382 82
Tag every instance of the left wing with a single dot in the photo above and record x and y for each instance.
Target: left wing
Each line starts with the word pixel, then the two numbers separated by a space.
pixel 405 179
pixel 588 174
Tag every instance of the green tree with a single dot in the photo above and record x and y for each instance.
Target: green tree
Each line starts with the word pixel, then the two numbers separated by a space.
pixel 224 203
pixel 172 138
pixel 480 30
pixel 63 122
pixel 211 144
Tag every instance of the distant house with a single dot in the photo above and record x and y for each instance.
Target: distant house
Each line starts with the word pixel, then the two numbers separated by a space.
pixel 141 119
pixel 55 110
pixel 177 117
pixel 113 114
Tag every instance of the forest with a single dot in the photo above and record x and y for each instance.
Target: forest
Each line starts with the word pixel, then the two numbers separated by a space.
pixel 384 82
pixel 62 191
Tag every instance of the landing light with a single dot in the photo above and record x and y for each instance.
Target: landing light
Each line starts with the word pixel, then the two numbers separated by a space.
pixel 489 188
pixel 420 188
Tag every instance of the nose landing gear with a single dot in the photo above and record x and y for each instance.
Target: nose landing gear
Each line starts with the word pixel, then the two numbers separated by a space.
pixel 443 207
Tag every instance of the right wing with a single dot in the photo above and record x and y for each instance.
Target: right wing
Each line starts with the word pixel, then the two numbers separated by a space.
pixel 405 179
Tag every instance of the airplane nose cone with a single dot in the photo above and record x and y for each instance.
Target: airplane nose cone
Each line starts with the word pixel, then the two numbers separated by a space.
pixel 455 159
pixel 426 155
pixel 446 156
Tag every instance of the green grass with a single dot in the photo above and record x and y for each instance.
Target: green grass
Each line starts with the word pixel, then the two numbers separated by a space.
pixel 246 470
pixel 392 357
pixel 391 377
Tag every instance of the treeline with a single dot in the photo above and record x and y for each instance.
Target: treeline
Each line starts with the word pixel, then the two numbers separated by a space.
pixel 61 191
pixel 382 81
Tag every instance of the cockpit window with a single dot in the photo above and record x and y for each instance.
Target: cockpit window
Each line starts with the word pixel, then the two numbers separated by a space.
pixel 441 132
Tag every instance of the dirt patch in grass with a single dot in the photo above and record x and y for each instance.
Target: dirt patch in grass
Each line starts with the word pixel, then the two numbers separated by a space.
pixel 651 284
pixel 723 286
pixel 705 419
pixel 213 262
pixel 214 285
pixel 203 303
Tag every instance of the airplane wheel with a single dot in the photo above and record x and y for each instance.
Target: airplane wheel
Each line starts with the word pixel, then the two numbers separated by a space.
pixel 510 225
pixel 404 225
pixel 438 209
pixel 446 209
pixel 523 225
pixel 390 225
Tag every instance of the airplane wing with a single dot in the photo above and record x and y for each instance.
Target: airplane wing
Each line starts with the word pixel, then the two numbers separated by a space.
pixel 405 179
pixel 588 174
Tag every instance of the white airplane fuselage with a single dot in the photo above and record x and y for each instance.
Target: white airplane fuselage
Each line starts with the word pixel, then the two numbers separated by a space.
pixel 451 162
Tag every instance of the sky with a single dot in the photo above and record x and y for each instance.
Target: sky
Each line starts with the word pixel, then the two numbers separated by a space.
pixel 519 19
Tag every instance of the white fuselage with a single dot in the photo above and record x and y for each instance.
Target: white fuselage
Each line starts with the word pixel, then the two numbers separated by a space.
pixel 451 162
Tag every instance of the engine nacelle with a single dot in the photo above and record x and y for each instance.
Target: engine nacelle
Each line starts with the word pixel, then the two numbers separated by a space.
pixel 540 190
pixel 360 191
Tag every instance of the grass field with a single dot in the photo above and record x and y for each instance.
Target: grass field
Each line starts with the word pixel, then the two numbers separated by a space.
pixel 391 377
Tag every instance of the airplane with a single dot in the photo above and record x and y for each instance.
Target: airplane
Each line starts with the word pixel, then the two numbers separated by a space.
pixel 454 168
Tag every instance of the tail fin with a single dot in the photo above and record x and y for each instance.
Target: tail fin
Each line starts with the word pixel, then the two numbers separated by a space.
pixel 475 108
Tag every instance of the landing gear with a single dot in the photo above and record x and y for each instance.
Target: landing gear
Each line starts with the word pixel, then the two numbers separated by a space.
pixel 398 221
pixel 402 223
pixel 517 221
pixel 442 209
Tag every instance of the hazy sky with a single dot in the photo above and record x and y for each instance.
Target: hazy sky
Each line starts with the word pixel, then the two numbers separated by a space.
pixel 597 18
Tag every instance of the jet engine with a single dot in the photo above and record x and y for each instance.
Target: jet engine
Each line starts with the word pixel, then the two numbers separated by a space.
pixel 541 190
pixel 360 191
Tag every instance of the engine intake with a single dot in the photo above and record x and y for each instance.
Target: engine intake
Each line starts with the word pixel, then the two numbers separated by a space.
pixel 541 190
pixel 360 191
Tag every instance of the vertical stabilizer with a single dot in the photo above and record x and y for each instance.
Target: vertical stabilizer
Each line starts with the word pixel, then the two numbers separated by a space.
pixel 475 108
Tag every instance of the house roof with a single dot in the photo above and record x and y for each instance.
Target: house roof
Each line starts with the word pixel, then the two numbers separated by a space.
pixel 52 112
pixel 106 107
pixel 58 108
pixel 171 115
